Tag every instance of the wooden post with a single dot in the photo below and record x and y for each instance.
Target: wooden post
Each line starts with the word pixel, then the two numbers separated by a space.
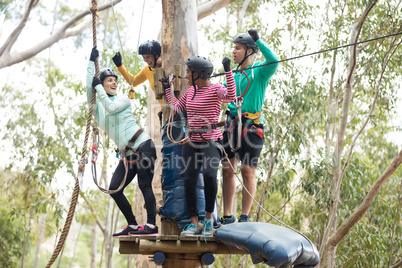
pixel 177 79
pixel 159 91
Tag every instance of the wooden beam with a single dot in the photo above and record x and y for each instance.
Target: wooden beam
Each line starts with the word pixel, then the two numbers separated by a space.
pixel 186 245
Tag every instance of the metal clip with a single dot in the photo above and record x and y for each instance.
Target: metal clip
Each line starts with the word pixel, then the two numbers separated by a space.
pixel 131 93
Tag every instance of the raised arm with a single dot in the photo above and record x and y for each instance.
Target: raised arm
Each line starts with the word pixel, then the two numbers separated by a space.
pixel 111 107
pixel 268 54
pixel 90 72
pixel 227 93
pixel 131 79
pixel 98 110
pixel 178 105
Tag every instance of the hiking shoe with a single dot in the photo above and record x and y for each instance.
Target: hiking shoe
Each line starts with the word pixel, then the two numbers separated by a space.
pixel 208 230
pixel 228 220
pixel 126 230
pixel 145 230
pixel 243 218
pixel 191 229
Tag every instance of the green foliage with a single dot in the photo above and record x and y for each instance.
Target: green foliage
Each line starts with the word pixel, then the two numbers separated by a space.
pixel 300 130
pixel 12 230
pixel 43 122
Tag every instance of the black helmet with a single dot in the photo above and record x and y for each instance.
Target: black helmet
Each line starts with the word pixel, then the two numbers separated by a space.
pixel 107 72
pixel 245 38
pixel 200 65
pixel 150 47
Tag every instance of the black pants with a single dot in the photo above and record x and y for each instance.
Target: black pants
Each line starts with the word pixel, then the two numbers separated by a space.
pixel 144 167
pixel 208 157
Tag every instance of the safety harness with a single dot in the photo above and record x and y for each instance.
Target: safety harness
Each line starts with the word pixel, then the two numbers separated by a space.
pixel 119 153
pixel 243 121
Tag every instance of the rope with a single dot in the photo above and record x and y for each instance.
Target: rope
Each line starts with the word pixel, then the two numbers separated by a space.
pixel 121 46
pixel 82 162
pixel 314 53
pixel 288 59
pixel 260 206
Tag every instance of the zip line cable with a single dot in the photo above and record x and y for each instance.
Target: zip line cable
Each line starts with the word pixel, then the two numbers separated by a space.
pixel 314 53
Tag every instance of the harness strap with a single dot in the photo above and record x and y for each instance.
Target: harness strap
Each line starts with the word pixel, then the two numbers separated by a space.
pixel 129 146
pixel 207 128
pixel 132 141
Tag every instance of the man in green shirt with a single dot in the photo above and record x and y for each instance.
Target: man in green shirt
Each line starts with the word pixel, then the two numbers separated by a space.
pixel 253 84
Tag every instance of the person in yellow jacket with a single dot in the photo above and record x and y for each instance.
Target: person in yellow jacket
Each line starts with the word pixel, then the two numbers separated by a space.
pixel 151 54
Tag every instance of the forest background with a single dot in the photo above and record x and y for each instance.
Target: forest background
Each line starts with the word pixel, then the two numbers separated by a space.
pixel 329 167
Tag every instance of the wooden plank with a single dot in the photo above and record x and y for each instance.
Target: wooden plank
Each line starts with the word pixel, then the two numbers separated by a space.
pixel 184 247
pixel 127 238
pixel 189 238
pixel 208 238
pixel 169 237
pixel 147 237
pixel 159 91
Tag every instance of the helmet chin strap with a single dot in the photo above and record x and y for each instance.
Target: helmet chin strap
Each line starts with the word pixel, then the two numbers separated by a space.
pixel 244 59
pixel 155 60
pixel 193 80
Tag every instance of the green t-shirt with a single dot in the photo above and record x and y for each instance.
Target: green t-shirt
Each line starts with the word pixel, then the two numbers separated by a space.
pixel 259 78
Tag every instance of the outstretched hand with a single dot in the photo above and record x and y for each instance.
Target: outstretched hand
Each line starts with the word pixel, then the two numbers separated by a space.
pixel 226 64
pixel 94 54
pixel 117 59
pixel 254 34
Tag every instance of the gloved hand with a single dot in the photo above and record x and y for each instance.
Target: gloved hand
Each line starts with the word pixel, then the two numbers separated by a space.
pixel 165 82
pixel 226 64
pixel 254 34
pixel 96 81
pixel 94 54
pixel 117 59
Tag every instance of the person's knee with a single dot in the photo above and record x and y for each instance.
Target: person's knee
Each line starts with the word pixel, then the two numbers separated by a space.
pixel 144 185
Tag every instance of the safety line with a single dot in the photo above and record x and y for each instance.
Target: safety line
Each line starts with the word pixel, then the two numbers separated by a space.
pixel 260 206
pixel 310 54
pixel 139 35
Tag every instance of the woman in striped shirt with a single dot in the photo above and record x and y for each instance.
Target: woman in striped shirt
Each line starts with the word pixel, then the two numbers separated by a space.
pixel 203 102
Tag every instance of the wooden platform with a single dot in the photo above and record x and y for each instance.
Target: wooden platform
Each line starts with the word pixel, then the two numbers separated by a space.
pixel 148 245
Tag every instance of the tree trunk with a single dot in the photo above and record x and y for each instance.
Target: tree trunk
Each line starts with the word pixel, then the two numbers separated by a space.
pixel 93 245
pixel 40 236
pixel 179 42
pixel 327 251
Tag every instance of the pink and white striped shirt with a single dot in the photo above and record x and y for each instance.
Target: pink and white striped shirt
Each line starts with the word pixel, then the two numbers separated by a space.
pixel 205 108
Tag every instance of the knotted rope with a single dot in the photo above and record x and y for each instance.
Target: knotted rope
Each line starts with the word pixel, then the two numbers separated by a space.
pixel 83 161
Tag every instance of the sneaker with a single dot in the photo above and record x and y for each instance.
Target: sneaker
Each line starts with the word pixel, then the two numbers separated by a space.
pixel 243 218
pixel 228 220
pixel 191 229
pixel 208 230
pixel 145 230
pixel 126 230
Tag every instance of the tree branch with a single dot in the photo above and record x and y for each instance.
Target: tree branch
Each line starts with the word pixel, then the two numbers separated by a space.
pixel 389 53
pixel 98 222
pixel 328 253
pixel 77 29
pixel 348 224
pixel 397 265
pixel 211 7
pixel 6 59
pixel 17 31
